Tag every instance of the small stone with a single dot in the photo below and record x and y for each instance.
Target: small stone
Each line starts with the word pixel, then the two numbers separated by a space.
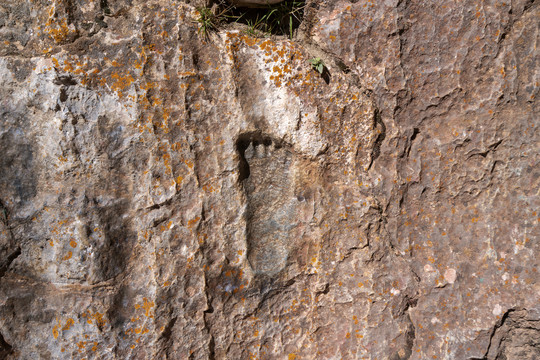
pixel 450 275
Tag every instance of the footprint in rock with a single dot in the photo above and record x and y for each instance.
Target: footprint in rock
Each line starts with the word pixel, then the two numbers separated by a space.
pixel 267 173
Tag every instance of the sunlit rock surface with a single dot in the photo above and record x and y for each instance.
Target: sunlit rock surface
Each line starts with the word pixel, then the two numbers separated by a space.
pixel 166 195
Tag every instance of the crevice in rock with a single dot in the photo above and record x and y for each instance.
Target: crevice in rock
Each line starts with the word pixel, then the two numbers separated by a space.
pixel 490 148
pixel 415 133
pixel 410 334
pixel 4 214
pixel 509 28
pixel 167 332
pixel 5 348
pixel 7 262
pixel 342 66
pixel 407 302
pixel 70 11
pixel 207 314
pixel 495 163
pixel 161 204
pixel 211 349
pixel 324 291
pixel 243 167
pixel 492 335
pixel 410 339
pixel 495 328
pixel 405 351
pixel 104 6
pixel 381 128
pixel 515 331
pixel 352 250
pixel 66 80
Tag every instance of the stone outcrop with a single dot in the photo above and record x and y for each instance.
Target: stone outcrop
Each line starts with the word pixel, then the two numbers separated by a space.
pixel 170 195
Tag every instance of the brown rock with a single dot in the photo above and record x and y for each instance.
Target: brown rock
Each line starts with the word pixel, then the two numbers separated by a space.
pixel 165 195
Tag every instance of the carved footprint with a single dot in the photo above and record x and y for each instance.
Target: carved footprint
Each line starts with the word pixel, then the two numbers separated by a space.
pixel 271 209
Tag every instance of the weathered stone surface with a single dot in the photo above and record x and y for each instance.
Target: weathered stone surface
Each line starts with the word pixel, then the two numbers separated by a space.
pixel 166 195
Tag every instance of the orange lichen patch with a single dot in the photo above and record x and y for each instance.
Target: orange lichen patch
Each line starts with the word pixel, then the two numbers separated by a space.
pixel 58 29
pixel 68 256
pixel 166 113
pixel 189 163
pixel 208 188
pixel 55 329
pixel 202 238
pixel 68 67
pixel 165 227
pixel 138 64
pixel 292 356
pixel 147 306
pixel 69 323
pixel 81 345
pixel 73 243
pixel 148 85
pixel 121 82
pixel 191 223
pixel 96 317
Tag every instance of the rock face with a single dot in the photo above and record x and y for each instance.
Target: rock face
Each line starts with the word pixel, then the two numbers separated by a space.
pixel 169 196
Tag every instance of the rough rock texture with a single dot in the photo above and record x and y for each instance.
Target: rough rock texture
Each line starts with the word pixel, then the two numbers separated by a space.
pixel 167 196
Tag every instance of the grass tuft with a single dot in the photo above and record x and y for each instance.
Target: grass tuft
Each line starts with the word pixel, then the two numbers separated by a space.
pixel 279 19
